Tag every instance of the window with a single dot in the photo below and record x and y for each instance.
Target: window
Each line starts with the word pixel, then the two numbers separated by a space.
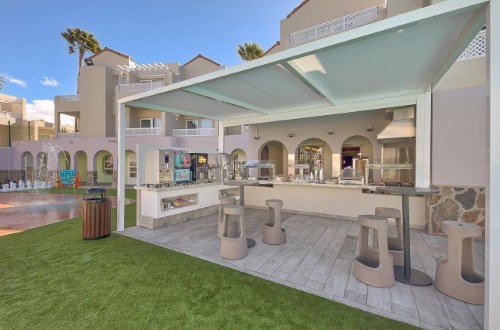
pixel 107 165
pixel 123 79
pixel 116 80
pixel 198 123
pixel 146 122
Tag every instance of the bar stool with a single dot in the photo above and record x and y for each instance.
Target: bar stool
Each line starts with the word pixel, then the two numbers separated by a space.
pixel 272 233
pixel 234 247
pixel 395 243
pixel 455 275
pixel 373 266
pixel 233 226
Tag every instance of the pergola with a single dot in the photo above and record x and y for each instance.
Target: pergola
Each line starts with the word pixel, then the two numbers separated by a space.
pixel 389 63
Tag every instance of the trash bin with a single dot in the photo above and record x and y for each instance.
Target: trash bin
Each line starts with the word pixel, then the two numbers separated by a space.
pixel 96 214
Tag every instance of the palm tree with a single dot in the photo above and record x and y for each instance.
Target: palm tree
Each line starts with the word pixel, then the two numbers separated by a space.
pixel 250 52
pixel 82 41
pixel 2 81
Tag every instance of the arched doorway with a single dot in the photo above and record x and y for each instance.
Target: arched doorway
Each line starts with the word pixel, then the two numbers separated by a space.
pixel 103 167
pixel 355 151
pixel 238 157
pixel 80 164
pixel 42 162
pixel 27 165
pixel 63 161
pixel 315 153
pixel 274 151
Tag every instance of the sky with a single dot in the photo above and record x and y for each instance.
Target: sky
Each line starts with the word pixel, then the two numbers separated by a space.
pixel 36 65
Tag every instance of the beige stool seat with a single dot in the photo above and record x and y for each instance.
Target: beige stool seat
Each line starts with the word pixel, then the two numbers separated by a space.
pixel 456 275
pixel 232 226
pixel 272 233
pixel 373 266
pixel 234 247
pixel 395 243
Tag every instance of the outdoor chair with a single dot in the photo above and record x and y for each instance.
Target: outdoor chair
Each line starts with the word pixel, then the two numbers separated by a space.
pixel 233 226
pixel 373 266
pixel 272 233
pixel 456 275
pixel 395 243
pixel 234 247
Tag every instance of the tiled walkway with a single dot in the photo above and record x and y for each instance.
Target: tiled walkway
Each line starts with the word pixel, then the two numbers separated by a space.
pixel 317 258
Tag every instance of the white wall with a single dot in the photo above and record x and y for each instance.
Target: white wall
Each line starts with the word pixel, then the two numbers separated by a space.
pixel 459 137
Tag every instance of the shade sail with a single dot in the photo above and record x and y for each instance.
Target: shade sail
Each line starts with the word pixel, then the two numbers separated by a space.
pixel 403 55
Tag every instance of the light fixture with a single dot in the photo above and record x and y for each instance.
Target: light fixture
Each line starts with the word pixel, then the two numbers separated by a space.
pixel 369 128
pixel 89 62
pixel 256 137
pixel 330 131
pixel 291 134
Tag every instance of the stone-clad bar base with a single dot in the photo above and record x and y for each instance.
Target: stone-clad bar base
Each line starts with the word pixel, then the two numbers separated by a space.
pixel 458 203
pixel 152 223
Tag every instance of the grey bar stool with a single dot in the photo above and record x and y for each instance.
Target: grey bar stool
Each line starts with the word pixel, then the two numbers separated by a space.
pixel 456 275
pixel 234 247
pixel 272 233
pixel 233 226
pixel 395 243
pixel 373 266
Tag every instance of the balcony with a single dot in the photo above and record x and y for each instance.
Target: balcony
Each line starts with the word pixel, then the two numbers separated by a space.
pixel 143 131
pixel 70 135
pixel 139 87
pixel 337 25
pixel 194 132
pixel 67 98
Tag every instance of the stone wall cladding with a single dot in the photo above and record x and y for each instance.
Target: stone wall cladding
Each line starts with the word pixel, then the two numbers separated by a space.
pixel 465 204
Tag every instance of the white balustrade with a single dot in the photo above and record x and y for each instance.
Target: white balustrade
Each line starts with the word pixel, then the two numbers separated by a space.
pixel 476 48
pixel 140 87
pixel 194 132
pixel 360 18
pixel 71 135
pixel 141 131
pixel 68 98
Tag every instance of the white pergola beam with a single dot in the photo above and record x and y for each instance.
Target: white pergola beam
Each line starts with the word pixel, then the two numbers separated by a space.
pixel 151 106
pixel 319 89
pixel 218 97
pixel 492 259
pixel 120 214
pixel 398 101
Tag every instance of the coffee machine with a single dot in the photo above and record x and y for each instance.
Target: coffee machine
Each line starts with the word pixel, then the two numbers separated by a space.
pixel 199 167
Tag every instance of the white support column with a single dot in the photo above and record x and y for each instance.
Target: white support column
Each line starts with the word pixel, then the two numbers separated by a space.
pixel 423 143
pixel 120 214
pixel 492 259
pixel 221 137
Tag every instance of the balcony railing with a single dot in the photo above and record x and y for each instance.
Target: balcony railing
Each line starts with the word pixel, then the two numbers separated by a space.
pixel 10 114
pixel 142 131
pixel 337 25
pixel 67 98
pixel 194 132
pixel 139 87
pixel 476 48
pixel 71 135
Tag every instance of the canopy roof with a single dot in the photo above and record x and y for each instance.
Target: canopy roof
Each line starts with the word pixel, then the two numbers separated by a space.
pixel 399 57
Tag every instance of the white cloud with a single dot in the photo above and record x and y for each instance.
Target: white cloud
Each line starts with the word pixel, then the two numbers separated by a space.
pixel 18 82
pixel 49 82
pixel 44 109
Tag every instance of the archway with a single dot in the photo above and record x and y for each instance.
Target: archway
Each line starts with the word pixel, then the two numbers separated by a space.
pixel 277 152
pixel 355 151
pixel 238 157
pixel 315 153
pixel 42 162
pixel 27 165
pixel 103 167
pixel 63 161
pixel 80 164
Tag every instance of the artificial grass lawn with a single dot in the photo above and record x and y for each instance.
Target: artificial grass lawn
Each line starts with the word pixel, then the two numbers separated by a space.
pixel 53 279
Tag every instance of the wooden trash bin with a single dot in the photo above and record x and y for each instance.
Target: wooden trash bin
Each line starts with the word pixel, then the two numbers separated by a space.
pixel 96 214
